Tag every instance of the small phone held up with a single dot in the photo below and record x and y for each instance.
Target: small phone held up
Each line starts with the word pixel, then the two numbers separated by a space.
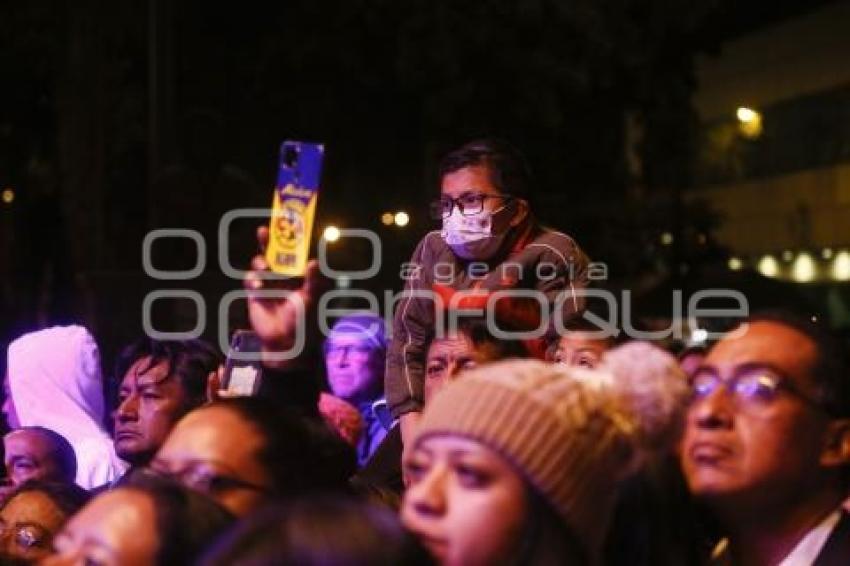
pixel 294 207
pixel 243 370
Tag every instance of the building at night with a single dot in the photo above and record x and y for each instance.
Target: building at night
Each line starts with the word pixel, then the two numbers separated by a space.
pixel 773 154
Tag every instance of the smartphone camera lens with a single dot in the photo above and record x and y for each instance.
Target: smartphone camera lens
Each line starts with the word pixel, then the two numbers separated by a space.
pixel 290 156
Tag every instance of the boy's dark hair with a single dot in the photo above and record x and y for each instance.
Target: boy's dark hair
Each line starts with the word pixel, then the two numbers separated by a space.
pixel 508 168
pixel 579 324
pixel 191 361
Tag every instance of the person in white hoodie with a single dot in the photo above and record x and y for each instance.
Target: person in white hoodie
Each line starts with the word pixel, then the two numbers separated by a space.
pixel 54 380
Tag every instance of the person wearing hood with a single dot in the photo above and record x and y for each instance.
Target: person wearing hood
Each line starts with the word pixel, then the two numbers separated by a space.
pixel 489 242
pixel 54 381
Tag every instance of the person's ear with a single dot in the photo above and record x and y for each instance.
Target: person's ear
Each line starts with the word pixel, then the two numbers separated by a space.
pixel 836 451
pixel 521 211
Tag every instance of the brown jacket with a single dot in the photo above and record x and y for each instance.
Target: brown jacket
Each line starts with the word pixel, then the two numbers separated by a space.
pixel 542 260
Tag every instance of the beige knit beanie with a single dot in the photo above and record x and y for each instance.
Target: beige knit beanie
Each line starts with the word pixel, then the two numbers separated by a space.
pixel 573 433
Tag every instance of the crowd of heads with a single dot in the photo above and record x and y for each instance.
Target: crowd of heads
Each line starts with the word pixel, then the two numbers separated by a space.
pixel 583 448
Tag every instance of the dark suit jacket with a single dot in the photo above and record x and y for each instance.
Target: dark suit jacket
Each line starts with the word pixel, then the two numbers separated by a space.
pixel 836 551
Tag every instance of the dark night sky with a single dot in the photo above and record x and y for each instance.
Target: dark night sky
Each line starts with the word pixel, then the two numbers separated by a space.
pixel 99 154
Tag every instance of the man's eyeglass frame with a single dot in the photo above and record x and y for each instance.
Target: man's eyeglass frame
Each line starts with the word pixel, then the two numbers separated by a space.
pixel 212 482
pixel 474 204
pixel 778 382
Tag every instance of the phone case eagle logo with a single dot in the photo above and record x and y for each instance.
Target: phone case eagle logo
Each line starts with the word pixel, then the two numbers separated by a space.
pixel 289 224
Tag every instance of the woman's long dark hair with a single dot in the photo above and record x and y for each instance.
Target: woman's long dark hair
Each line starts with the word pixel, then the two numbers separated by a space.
pixel 546 539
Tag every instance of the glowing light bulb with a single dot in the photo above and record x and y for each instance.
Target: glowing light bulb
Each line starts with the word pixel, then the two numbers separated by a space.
pixel 804 268
pixel 749 122
pixel 768 266
pixel 841 266
pixel 331 234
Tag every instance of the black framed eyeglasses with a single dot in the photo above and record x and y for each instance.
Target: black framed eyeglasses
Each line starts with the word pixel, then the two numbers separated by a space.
pixel 204 480
pixel 340 349
pixel 751 386
pixel 467 203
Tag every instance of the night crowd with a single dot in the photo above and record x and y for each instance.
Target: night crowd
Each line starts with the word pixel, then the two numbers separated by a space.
pixel 498 420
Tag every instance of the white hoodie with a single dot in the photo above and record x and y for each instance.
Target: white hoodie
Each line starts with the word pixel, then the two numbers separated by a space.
pixel 55 381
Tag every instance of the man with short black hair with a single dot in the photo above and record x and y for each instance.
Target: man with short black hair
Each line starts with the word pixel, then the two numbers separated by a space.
pixel 767 443
pixel 161 380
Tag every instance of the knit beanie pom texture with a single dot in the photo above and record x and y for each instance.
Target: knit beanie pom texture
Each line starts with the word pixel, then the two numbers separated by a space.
pixel 572 433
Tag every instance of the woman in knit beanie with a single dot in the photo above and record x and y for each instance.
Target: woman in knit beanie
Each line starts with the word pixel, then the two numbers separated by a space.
pixel 519 462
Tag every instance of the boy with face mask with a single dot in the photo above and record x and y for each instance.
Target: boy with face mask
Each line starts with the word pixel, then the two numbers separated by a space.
pixel 489 242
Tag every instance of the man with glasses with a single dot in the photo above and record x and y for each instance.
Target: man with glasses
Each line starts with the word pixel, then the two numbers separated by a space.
pixel 355 355
pixel 767 443
pixel 488 241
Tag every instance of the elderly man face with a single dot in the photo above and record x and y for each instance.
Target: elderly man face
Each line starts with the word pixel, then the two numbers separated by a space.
pixel 355 367
pixel 757 431
pixel 33 455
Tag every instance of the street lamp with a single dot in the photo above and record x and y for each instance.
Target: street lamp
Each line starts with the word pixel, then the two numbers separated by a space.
pixel 768 266
pixel 841 266
pixel 749 122
pixel 804 268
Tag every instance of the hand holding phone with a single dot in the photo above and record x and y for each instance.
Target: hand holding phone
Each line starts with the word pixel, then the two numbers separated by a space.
pixel 243 370
pixel 294 207
pixel 284 246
